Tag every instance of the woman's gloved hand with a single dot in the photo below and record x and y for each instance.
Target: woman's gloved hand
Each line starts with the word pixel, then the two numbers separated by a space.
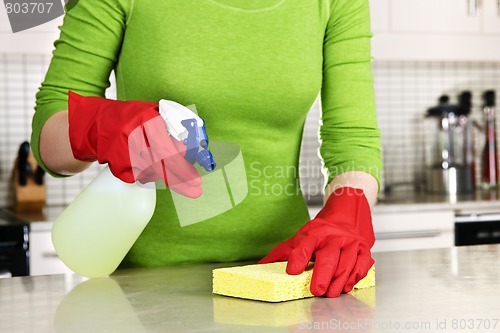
pixel 132 138
pixel 338 240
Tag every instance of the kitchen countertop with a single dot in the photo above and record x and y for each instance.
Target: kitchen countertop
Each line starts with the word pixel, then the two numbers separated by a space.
pixel 39 221
pixel 436 290
pixel 8 218
pixel 480 201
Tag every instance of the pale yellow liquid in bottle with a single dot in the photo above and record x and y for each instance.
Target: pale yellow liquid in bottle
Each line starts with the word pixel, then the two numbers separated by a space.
pixel 95 232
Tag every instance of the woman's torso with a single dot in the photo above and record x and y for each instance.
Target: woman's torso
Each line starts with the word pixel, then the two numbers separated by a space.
pixel 253 70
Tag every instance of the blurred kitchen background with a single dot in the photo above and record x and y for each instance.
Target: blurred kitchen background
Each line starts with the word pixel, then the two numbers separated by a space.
pixel 419 54
pixel 422 49
pixel 404 91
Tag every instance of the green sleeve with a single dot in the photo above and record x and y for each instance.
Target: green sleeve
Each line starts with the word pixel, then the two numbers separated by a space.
pixel 84 56
pixel 350 138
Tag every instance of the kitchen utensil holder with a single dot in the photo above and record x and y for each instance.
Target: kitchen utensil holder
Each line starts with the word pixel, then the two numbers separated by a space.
pixel 29 198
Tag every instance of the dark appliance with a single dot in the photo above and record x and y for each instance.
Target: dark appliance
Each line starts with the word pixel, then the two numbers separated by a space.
pixel 477 229
pixel 14 245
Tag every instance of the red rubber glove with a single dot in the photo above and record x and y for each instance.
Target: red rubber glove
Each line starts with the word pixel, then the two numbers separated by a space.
pixel 132 138
pixel 338 240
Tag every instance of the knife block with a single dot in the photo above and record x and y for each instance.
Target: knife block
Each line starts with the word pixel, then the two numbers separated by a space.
pixel 30 198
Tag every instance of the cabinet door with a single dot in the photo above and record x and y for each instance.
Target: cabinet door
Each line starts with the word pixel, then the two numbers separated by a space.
pixel 491 16
pixel 413 230
pixel 434 16
pixel 4 22
pixel 379 12
pixel 43 256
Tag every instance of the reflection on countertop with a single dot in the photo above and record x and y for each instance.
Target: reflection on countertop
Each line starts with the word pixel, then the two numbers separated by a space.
pixel 426 288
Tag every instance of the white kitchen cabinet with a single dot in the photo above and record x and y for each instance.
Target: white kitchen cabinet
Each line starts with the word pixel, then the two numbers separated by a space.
pixel 379 10
pixel 400 231
pixel 43 256
pixel 444 16
pixel 433 16
pixel 442 30
pixel 491 16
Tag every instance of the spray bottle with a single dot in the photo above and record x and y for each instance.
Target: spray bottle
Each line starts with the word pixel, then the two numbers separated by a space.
pixel 95 232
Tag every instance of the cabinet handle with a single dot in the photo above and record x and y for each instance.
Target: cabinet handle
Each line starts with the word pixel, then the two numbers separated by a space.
pixel 472 7
pixel 50 255
pixel 408 234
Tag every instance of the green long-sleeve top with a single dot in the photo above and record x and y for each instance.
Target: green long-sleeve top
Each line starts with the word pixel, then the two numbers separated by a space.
pixel 253 69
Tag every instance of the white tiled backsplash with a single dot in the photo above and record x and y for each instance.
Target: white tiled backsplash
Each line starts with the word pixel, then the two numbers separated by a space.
pixel 404 91
pixel 20 78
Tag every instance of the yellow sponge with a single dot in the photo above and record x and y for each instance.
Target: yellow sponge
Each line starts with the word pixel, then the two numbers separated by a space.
pixel 270 282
